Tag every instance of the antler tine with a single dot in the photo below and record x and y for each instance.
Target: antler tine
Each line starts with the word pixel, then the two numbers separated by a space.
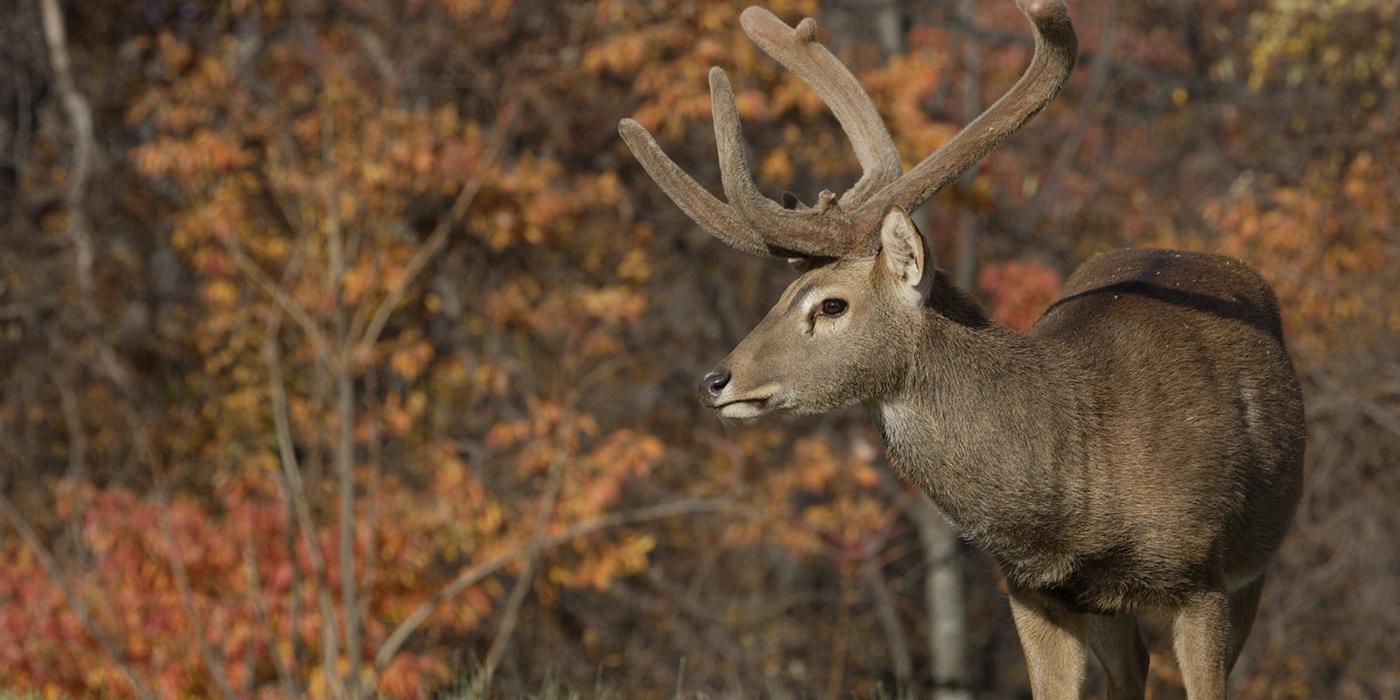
pixel 714 216
pixel 1055 52
pixel 755 224
pixel 822 231
pixel 799 51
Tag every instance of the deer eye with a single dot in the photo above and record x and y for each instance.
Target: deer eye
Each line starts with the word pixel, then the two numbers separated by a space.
pixel 833 307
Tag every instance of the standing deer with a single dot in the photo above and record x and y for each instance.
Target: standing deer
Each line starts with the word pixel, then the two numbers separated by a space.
pixel 1138 451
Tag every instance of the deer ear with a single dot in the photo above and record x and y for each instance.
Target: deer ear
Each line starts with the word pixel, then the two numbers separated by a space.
pixel 903 250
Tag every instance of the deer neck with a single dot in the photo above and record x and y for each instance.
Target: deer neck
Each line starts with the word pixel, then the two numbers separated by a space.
pixel 984 422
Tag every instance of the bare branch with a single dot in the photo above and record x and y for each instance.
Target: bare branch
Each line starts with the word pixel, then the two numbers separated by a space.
pixel 212 659
pixel 279 296
pixel 511 613
pixel 80 608
pixel 84 143
pixel 473 574
pixel 293 491
pixel 77 438
pixel 284 673
pixel 437 239
pixel 888 616
pixel 341 367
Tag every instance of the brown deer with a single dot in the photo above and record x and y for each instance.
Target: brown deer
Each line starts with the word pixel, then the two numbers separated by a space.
pixel 1138 451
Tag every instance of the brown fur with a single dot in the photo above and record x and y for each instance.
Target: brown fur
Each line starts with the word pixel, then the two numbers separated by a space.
pixel 1144 441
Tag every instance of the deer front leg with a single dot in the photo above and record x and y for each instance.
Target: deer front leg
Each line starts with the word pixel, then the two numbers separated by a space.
pixel 1052 639
pixel 1200 638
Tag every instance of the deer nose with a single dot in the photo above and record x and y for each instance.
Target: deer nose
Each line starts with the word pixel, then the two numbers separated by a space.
pixel 714 382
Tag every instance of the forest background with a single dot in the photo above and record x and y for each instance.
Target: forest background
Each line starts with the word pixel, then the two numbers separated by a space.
pixel 346 351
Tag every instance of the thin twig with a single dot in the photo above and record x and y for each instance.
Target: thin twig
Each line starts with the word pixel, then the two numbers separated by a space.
pixel 373 489
pixel 1163 80
pixel 271 333
pixel 284 673
pixel 888 617
pixel 80 608
pixel 1098 77
pixel 437 239
pixel 374 46
pixel 77 439
pixel 212 661
pixel 293 490
pixel 279 296
pixel 471 575
pixel 345 413
pixel 836 673
pixel 511 614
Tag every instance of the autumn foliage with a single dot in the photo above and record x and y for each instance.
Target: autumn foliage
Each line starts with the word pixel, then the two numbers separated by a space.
pixel 362 362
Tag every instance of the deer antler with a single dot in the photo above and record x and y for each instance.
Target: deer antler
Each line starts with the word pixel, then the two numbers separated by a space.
pixel 798 50
pixel 845 227
pixel 821 231
pixel 714 216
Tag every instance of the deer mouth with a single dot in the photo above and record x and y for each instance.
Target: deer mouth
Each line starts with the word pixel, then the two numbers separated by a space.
pixel 746 408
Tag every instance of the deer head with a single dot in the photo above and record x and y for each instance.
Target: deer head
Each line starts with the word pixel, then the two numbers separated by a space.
pixel 842 331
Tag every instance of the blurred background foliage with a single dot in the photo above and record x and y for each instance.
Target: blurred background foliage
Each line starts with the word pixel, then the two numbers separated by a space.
pixel 346 351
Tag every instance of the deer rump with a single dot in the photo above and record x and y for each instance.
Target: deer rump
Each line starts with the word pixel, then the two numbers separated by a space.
pixel 1196 429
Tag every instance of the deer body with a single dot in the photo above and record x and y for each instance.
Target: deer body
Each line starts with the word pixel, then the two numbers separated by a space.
pixel 1140 445
pixel 1139 450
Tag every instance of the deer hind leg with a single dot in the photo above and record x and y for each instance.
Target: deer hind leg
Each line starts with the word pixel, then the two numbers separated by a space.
pixel 1053 640
pixel 1200 638
pixel 1244 602
pixel 1119 648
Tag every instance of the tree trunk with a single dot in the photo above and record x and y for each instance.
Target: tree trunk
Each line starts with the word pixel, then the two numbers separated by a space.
pixel 947 609
pixel 966 273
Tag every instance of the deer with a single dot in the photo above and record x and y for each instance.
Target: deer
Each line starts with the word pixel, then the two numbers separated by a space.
pixel 1137 453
